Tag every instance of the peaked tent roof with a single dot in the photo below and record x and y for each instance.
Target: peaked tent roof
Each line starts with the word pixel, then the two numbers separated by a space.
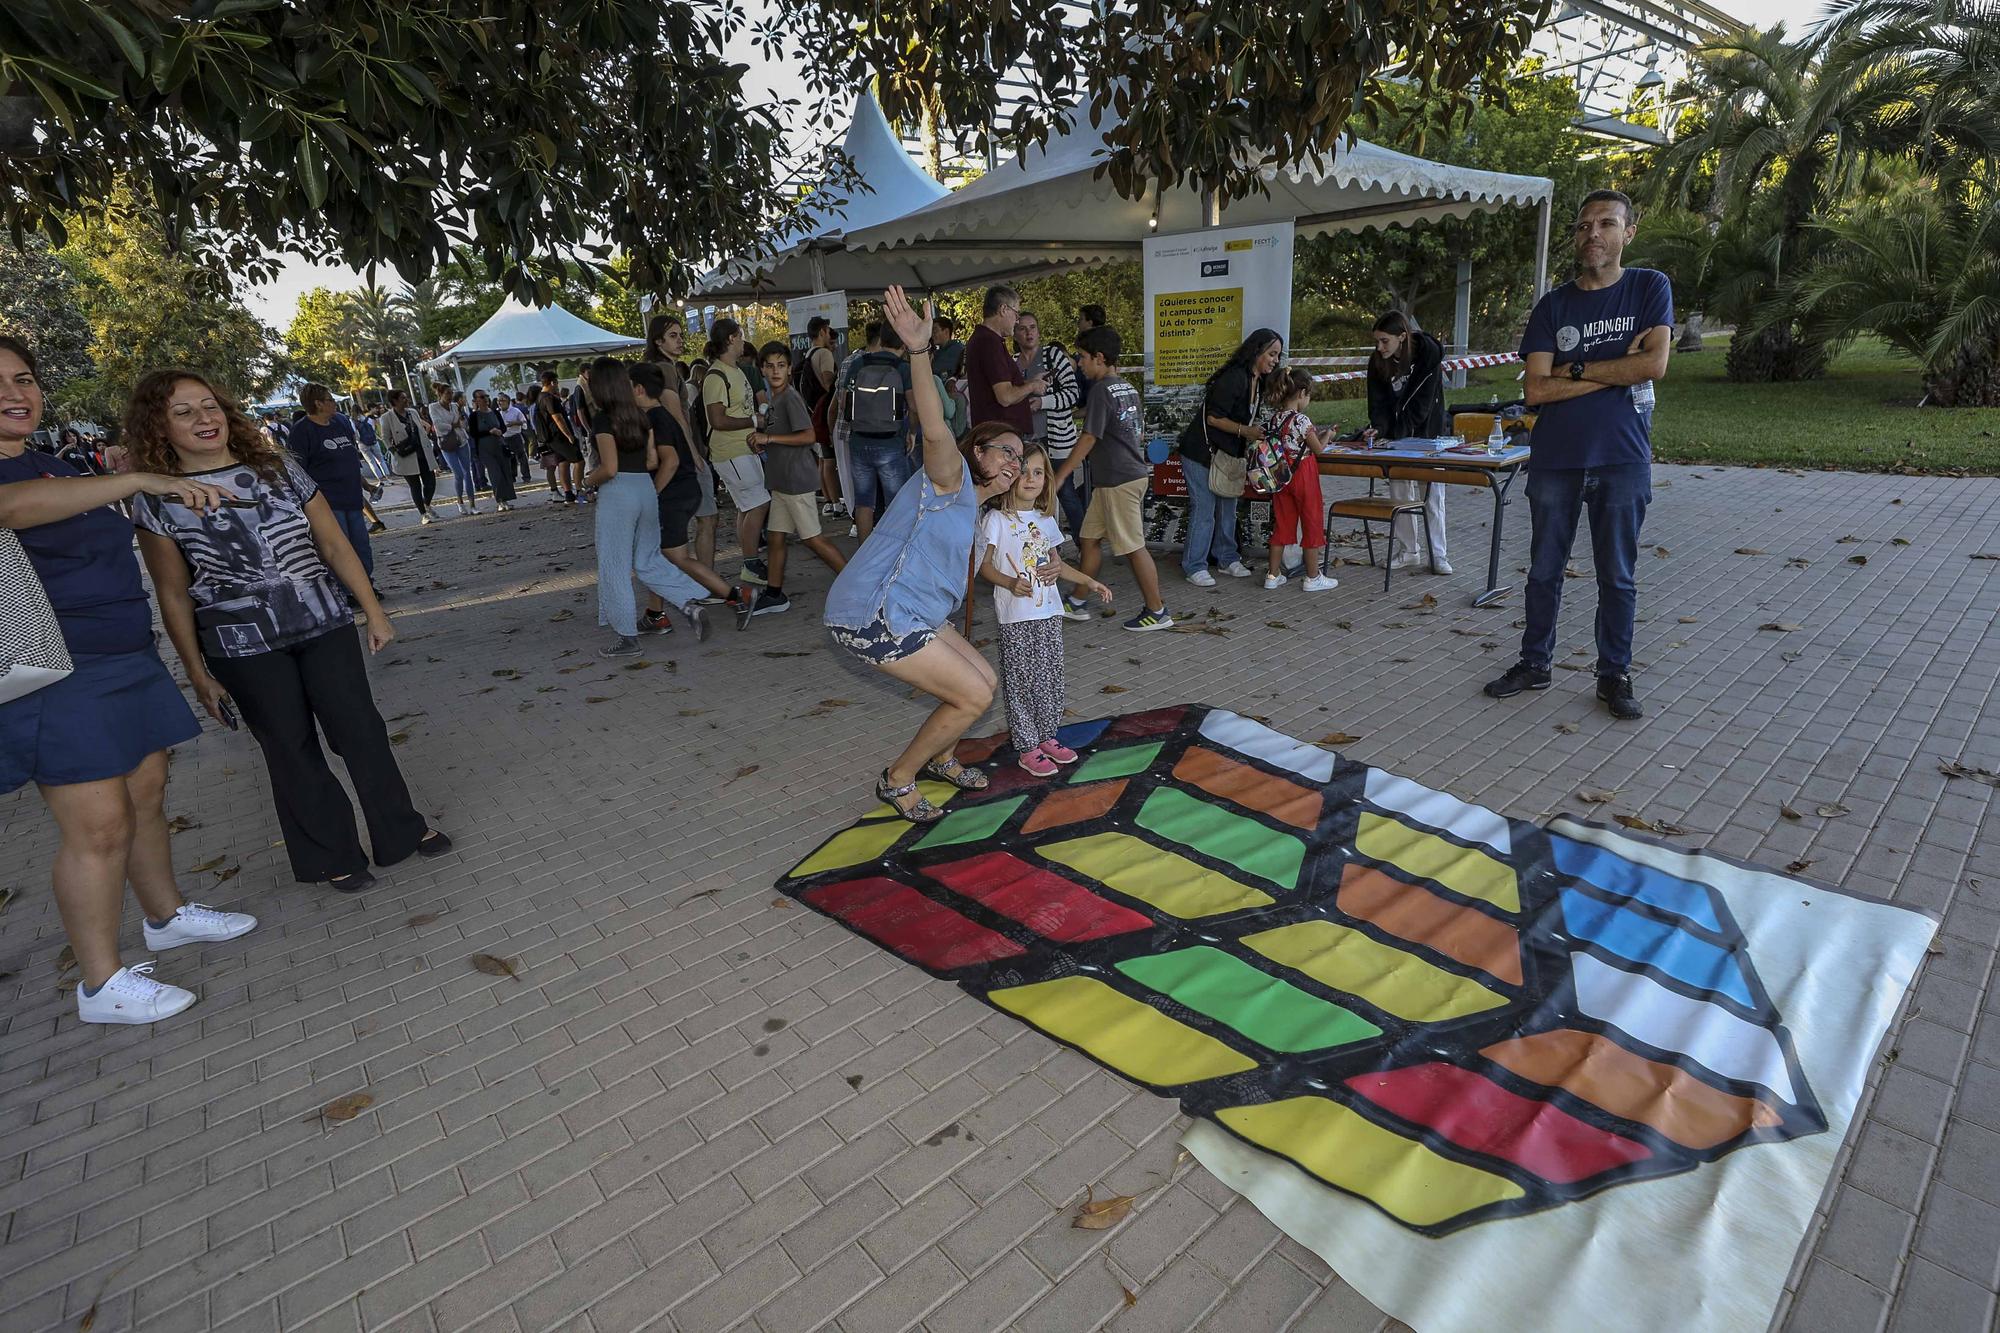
pixel 521 332
pixel 890 185
pixel 1044 210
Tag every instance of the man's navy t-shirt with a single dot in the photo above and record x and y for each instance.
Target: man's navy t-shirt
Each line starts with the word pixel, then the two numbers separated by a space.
pixel 331 456
pixel 1602 429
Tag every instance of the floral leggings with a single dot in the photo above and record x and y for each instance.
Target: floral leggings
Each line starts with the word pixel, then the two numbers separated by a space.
pixel 1031 661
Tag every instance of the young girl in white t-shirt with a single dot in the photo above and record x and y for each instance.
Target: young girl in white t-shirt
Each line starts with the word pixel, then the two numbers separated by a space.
pixel 1023 563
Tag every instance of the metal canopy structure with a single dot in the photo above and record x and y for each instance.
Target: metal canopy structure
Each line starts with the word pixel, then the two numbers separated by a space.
pixel 1624 55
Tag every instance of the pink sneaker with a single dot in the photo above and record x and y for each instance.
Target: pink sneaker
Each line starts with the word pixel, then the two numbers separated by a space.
pixel 1038 763
pixel 1059 752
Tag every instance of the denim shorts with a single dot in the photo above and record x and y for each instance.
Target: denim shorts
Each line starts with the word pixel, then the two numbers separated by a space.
pixel 881 468
pixel 875 643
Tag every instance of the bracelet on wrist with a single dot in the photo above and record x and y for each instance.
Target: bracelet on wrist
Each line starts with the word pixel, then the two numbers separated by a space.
pixel 925 350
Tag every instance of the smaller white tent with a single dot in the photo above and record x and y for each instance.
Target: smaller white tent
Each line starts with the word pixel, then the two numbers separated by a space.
pixel 521 332
pixel 806 256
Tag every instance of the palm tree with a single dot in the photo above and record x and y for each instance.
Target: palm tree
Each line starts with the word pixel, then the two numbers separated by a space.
pixel 1923 272
pixel 1790 130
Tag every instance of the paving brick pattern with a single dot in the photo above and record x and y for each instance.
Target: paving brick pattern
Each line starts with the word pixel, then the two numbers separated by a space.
pixel 698 1107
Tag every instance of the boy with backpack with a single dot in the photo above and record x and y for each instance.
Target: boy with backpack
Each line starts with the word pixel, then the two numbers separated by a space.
pixel 791 474
pixel 875 404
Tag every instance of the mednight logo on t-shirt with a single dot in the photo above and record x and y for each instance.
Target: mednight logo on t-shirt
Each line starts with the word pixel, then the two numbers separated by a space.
pixel 1595 332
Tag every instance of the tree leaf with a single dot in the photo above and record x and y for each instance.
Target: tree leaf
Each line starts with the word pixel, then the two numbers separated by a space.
pixel 1113 689
pixel 1954 769
pixel 1636 823
pixel 1780 626
pixel 1831 810
pixel 1596 796
pixel 1095 1214
pixel 1568 728
pixel 1662 552
pixel 1748 550
pixel 1789 813
pixel 1799 866
pixel 346 1108
pixel 312 172
pixel 181 824
pixel 426 918
pixel 1857 559
pixel 1334 739
pixel 495 967
pixel 1690 620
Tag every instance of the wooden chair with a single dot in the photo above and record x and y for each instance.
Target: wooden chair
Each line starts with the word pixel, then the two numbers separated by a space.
pixel 1373 509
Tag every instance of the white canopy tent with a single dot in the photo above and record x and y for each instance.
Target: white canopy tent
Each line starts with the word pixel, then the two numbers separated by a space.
pixel 807 256
pixel 518 332
pixel 1047 209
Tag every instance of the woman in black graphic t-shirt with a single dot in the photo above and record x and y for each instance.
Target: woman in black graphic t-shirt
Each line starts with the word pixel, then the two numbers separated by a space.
pixel 250 595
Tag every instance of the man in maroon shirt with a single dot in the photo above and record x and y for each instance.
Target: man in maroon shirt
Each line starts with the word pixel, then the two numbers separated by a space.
pixel 993 377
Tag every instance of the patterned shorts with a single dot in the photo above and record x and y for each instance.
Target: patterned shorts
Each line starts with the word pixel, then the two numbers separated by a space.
pixel 875 644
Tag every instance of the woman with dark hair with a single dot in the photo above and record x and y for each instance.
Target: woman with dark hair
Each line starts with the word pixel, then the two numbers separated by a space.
pixel 95 742
pixel 250 594
pixel 488 429
pixel 1212 450
pixel 409 456
pixel 628 517
pixel 666 343
pixel 891 607
pixel 1406 402
pixel 448 428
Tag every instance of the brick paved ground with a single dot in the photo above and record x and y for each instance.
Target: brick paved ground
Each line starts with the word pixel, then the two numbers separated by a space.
pixel 700 1108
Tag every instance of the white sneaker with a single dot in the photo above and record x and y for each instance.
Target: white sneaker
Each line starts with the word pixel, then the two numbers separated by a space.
pixel 1201 578
pixel 1236 569
pixel 1407 560
pixel 1321 583
pixel 424 519
pixel 1274 581
pixel 1443 566
pixel 198 923
pixel 132 996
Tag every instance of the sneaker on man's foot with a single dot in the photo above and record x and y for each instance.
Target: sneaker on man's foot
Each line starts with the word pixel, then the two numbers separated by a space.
pixel 1150 620
pixel 655 622
pixel 755 571
pixel 131 996
pixel 425 518
pixel 1201 578
pixel 377 526
pixel 1443 566
pixel 770 602
pixel 1520 676
pixel 1407 560
pixel 698 621
pixel 627 646
pixel 197 923
pixel 1075 608
pixel 1236 569
pixel 1616 692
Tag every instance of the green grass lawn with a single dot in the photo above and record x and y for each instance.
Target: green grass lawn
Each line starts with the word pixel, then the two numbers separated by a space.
pixel 1860 416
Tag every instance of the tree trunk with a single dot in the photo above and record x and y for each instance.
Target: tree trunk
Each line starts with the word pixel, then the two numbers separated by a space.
pixel 1969 378
pixel 1774 356
pixel 931 132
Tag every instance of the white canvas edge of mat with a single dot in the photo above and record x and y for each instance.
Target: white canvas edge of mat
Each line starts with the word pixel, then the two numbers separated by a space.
pixel 1624 1258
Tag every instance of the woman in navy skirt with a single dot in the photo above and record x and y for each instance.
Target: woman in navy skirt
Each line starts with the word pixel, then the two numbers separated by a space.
pixel 96 742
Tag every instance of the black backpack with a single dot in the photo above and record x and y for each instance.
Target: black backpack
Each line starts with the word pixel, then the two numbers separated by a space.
pixel 877 396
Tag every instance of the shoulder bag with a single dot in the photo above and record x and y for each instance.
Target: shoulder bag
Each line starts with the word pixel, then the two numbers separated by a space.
pixel 32 651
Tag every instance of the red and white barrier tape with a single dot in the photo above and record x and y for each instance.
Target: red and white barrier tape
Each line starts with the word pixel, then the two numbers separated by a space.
pixel 1455 363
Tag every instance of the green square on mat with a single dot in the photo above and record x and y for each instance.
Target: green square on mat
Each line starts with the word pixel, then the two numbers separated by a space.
pixel 1117 763
pixel 972 823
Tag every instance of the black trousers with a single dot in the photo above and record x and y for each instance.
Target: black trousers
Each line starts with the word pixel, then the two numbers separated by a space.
pixel 497 462
pixel 280 695
pixel 517 449
pixel 423 488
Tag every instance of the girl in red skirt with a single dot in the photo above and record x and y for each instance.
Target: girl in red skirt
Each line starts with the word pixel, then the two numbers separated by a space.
pixel 1297 512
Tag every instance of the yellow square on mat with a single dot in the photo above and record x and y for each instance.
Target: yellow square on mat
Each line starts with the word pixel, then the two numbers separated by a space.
pixel 1391 979
pixel 1134 1038
pixel 1465 872
pixel 863 843
pixel 1154 875
pixel 1399 1175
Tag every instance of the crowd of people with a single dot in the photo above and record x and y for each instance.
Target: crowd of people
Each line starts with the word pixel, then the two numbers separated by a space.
pixel 978 457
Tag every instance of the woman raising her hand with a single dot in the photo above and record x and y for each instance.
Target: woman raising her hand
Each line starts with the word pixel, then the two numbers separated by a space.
pixel 250 593
pixel 892 605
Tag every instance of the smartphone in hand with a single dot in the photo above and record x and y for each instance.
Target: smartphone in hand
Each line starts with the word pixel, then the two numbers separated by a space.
pixel 229 715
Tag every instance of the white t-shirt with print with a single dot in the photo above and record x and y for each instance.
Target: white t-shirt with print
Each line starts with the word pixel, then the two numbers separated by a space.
pixel 1022 540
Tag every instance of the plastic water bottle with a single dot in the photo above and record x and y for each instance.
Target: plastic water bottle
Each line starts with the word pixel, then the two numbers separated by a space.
pixel 1496 439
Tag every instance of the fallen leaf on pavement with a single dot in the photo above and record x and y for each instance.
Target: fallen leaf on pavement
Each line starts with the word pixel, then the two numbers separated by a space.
pixel 1748 550
pixel 1568 728
pixel 181 824
pixel 66 959
pixel 1641 825
pixel 1952 769
pixel 1113 689
pixel 835 703
pixel 207 865
pixel 1848 540
pixel 781 902
pixel 599 698
pixel 495 967
pixel 1831 810
pixel 227 873
pixel 1899 541
pixel 1986 555
pixel 564 614
pixel 1593 796
pixel 1780 626
pixel 1095 1214
pixel 1789 813
pixel 1333 738
pixel 425 918
pixel 346 1108
pixel 744 772
pixel 1276 624
pixel 1800 562
pixel 1690 620
pixel 1662 552
pixel 1857 559
pixel 1798 867
pixel 1424 603
pixel 398 737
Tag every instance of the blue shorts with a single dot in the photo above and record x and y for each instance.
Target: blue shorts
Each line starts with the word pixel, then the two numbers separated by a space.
pixel 881 468
pixel 876 644
pixel 101 721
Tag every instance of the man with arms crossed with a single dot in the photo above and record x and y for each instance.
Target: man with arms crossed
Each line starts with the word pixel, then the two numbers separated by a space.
pixel 1593 348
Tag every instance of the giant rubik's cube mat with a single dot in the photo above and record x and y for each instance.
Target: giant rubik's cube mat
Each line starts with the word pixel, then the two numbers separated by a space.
pixel 1453 1016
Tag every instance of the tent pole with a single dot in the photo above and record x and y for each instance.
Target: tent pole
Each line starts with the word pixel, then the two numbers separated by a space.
pixel 817 262
pixel 1542 247
pixel 1461 319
